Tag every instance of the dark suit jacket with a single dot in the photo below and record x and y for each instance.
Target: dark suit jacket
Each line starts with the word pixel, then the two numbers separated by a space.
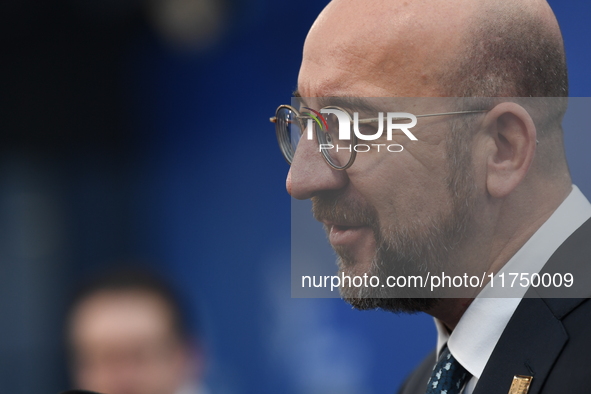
pixel 547 338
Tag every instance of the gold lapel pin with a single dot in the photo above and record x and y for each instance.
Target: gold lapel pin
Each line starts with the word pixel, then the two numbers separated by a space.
pixel 520 384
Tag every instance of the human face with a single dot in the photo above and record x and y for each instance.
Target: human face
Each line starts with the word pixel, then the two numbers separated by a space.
pixel 123 343
pixel 388 214
pixel 394 214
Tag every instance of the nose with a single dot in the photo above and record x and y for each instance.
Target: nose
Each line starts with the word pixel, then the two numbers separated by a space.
pixel 310 174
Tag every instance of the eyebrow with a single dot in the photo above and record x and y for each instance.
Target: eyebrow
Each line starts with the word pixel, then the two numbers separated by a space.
pixel 347 102
pixel 298 96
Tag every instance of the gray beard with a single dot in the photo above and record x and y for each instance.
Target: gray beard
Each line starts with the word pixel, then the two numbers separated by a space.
pixel 409 252
pixel 410 249
pixel 413 248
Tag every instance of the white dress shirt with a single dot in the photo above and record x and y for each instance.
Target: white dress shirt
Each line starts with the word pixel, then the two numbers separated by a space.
pixel 480 327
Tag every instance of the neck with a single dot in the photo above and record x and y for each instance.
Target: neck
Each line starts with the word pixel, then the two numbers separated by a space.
pixel 511 224
pixel 519 218
pixel 450 310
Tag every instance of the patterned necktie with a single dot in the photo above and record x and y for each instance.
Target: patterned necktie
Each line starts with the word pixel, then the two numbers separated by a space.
pixel 448 376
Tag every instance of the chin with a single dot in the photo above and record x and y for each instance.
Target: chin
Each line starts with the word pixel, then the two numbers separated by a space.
pixel 395 305
pixel 391 299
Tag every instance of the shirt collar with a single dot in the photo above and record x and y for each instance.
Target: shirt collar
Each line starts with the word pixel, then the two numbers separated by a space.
pixel 478 331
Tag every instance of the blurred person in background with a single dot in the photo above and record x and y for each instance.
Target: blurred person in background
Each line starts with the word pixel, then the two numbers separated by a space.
pixel 127 334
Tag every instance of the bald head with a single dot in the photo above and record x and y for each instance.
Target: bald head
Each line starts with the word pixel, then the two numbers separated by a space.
pixel 512 49
pixel 444 48
pixel 366 48
pixel 434 48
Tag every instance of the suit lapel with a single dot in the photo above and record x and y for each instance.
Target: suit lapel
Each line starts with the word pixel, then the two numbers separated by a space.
pixel 535 336
pixel 533 339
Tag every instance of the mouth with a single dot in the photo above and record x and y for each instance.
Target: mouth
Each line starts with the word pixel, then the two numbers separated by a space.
pixel 345 234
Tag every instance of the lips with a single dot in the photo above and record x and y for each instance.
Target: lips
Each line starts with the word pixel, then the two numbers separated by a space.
pixel 341 235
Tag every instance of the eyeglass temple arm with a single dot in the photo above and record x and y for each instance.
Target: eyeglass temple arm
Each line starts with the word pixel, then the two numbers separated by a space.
pixel 370 120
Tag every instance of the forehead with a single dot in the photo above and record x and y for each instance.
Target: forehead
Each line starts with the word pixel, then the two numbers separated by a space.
pixel 378 49
pixel 119 316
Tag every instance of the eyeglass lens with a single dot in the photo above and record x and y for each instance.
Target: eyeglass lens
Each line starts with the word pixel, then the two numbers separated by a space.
pixel 289 131
pixel 337 151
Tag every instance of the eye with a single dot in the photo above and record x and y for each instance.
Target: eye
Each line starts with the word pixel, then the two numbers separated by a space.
pixel 332 122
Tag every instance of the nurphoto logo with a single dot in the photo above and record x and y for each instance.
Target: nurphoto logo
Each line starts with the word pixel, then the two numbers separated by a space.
pixel 343 122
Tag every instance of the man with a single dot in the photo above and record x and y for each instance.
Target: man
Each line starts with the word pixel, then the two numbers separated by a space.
pixel 127 335
pixel 484 190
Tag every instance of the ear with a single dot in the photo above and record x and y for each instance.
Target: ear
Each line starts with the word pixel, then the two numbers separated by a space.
pixel 512 147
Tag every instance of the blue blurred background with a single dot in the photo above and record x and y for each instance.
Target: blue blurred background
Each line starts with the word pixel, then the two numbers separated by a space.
pixel 134 130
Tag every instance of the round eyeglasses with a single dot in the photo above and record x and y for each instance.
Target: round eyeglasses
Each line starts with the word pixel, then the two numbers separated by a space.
pixel 339 153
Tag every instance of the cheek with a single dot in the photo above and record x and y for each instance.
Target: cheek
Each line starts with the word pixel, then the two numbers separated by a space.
pixel 479 168
pixel 402 191
pixel 96 376
pixel 164 372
